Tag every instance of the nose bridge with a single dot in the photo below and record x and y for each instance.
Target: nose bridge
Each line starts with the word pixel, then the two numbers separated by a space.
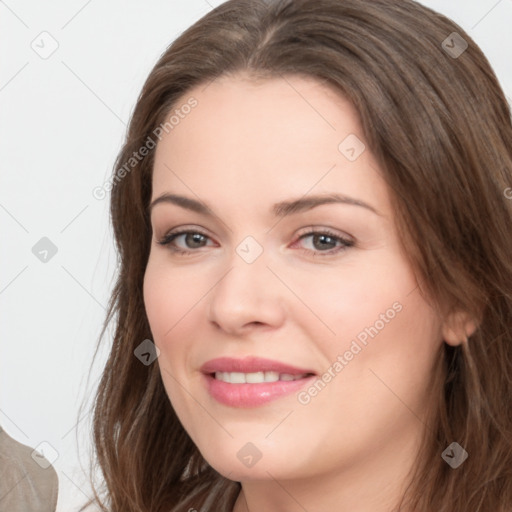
pixel 248 292
pixel 248 273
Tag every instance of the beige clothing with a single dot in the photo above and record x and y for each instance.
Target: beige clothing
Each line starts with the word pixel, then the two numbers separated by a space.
pixel 24 485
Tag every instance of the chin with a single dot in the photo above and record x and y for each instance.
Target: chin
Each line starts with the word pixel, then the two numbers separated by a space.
pixel 244 462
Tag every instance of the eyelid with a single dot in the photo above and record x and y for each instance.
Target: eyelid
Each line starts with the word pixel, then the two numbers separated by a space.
pixel 325 230
pixel 185 229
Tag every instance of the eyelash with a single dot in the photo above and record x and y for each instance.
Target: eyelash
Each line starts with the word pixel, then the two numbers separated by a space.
pixel 346 243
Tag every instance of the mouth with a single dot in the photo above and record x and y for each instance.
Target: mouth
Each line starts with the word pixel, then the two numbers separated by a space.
pixel 252 381
pixel 256 377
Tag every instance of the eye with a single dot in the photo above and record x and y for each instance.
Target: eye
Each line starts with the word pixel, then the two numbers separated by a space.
pixel 192 240
pixel 323 241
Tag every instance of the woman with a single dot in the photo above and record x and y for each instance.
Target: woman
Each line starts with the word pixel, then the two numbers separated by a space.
pixel 314 299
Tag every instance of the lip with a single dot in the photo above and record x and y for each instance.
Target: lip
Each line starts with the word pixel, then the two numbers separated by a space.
pixel 251 395
pixel 250 365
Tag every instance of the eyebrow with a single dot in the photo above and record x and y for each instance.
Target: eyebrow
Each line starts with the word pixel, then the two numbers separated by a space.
pixel 281 209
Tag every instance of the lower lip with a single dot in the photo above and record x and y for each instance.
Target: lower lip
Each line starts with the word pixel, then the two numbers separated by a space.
pixel 252 395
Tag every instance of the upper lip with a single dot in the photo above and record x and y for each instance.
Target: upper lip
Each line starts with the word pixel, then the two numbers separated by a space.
pixel 251 365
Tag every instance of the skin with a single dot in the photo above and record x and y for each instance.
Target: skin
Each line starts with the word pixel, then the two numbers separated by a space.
pixel 246 146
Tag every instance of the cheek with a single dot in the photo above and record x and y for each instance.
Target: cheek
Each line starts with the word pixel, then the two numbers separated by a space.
pixel 386 335
pixel 169 297
pixel 167 302
pixel 383 361
pixel 174 299
pixel 358 299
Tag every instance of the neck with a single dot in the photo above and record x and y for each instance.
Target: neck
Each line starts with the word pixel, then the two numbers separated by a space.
pixel 375 484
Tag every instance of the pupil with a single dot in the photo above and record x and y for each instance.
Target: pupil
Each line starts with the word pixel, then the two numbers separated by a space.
pixel 196 238
pixel 323 238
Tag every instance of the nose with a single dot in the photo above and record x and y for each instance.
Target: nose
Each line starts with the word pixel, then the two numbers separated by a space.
pixel 248 296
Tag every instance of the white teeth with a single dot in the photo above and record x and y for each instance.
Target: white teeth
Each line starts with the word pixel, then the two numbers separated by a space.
pixel 256 377
pixel 271 376
pixel 237 378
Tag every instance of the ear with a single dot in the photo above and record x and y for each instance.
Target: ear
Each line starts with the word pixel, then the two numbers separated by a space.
pixel 458 327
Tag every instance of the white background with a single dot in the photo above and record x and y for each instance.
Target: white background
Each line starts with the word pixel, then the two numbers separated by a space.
pixel 62 123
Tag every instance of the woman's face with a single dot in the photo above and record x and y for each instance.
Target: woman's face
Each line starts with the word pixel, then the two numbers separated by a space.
pixel 277 268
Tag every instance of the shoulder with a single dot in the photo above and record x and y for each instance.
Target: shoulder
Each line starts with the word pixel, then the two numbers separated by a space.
pixel 27 479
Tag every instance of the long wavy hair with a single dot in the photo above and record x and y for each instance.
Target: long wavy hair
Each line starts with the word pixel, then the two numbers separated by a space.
pixel 436 119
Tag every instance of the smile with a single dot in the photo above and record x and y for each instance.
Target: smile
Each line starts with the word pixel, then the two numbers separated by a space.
pixel 256 377
pixel 252 381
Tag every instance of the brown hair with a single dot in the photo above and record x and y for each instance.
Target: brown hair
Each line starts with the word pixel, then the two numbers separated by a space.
pixel 440 127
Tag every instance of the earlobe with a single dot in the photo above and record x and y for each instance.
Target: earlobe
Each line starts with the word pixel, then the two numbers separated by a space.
pixel 458 327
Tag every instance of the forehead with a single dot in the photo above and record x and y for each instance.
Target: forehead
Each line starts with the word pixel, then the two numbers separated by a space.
pixel 250 137
pixel 293 107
